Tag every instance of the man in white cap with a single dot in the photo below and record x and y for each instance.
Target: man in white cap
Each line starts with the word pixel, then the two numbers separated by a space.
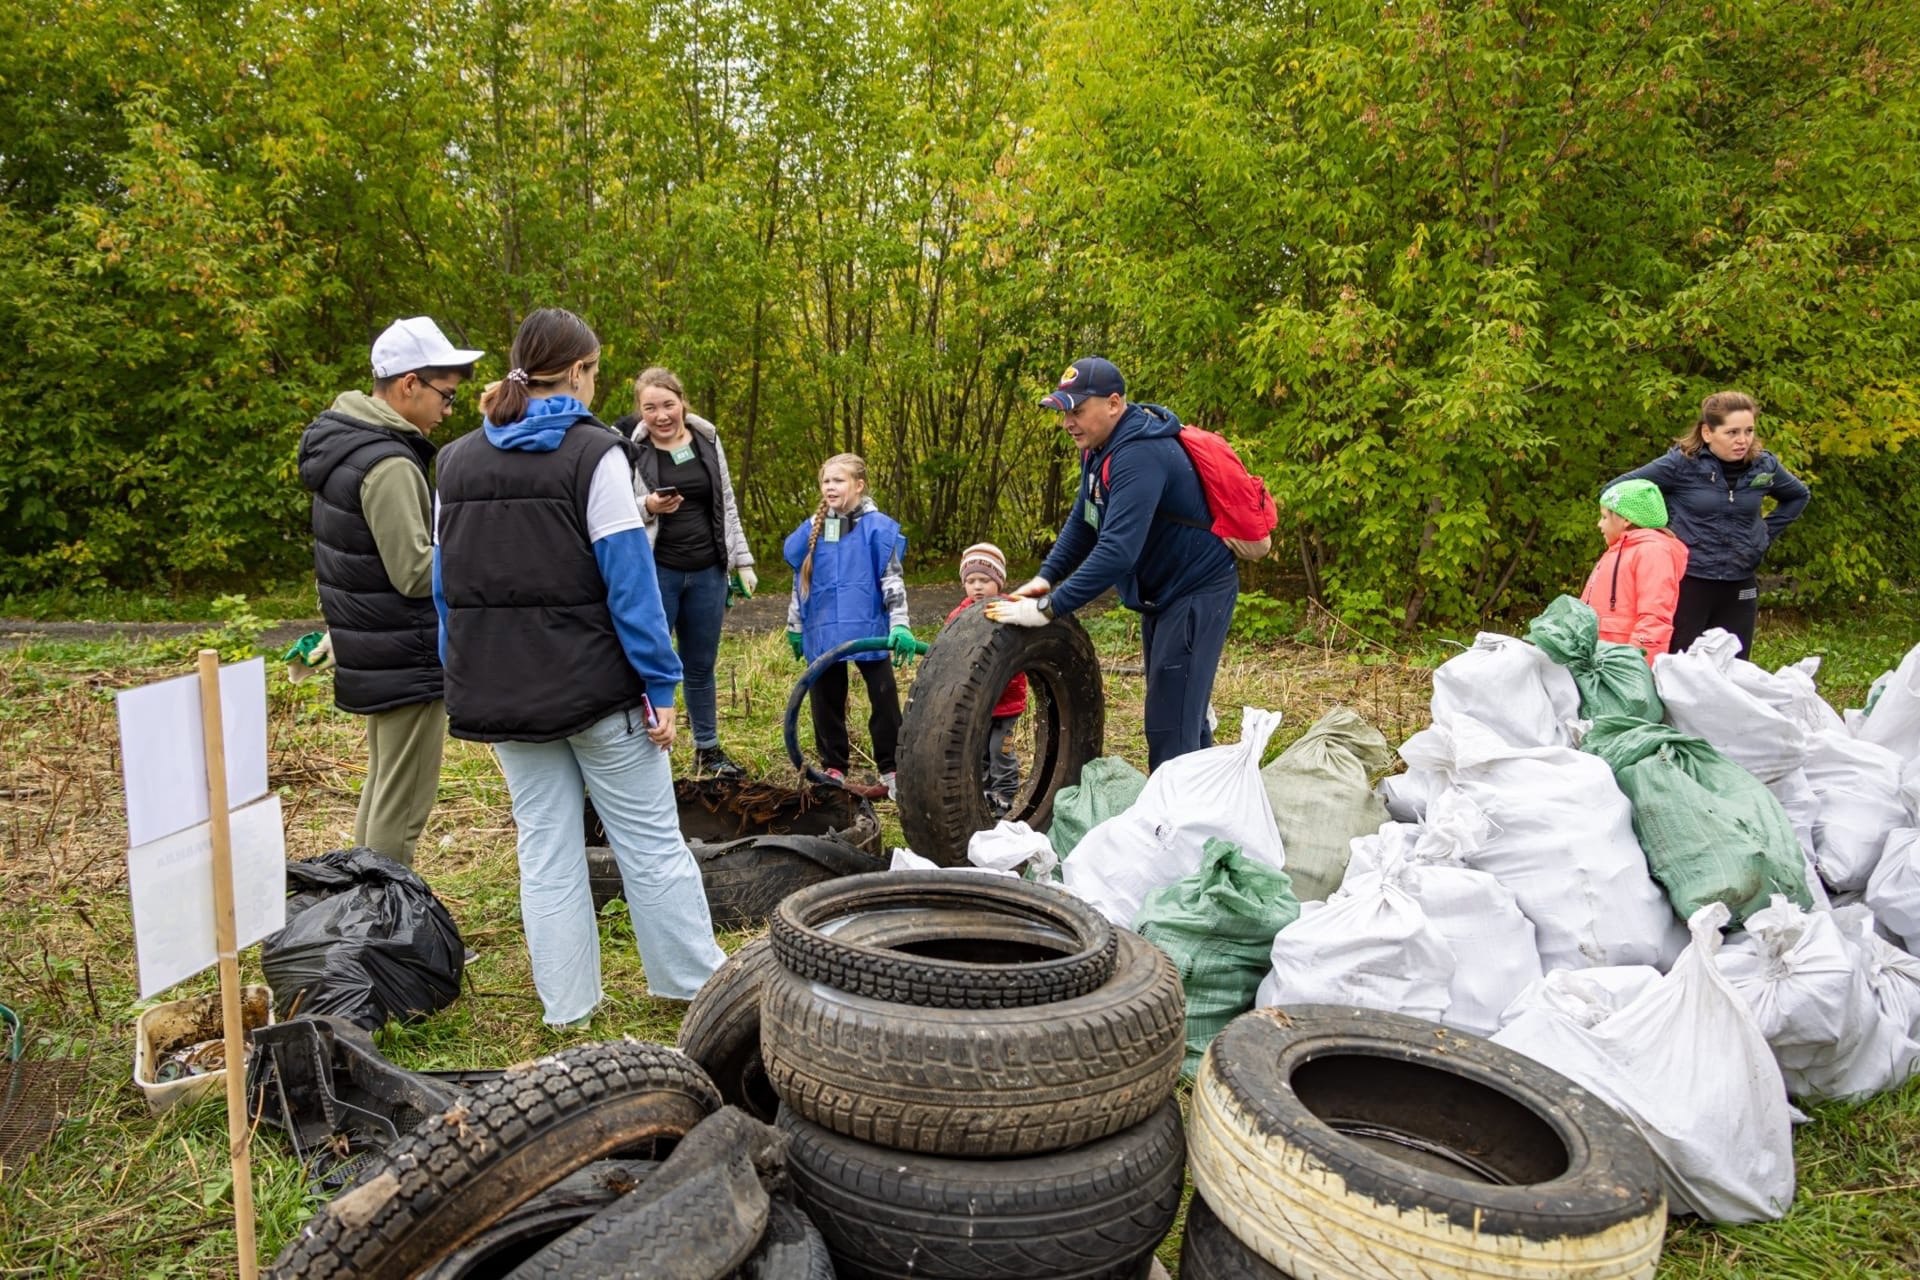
pixel 365 462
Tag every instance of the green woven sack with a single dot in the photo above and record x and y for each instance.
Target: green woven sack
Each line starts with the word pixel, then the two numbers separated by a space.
pixel 1712 832
pixel 1107 786
pixel 1217 925
pixel 1613 679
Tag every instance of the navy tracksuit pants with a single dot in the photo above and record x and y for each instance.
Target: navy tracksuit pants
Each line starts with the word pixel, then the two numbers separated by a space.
pixel 1183 643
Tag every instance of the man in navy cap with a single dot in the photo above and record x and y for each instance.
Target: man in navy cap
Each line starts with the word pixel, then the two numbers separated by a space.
pixel 1140 524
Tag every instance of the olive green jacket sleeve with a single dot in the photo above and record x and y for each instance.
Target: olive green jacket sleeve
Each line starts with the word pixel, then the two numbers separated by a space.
pixel 399 511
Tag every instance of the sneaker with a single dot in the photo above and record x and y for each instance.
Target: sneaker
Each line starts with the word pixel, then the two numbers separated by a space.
pixel 716 762
pixel 836 776
pixel 890 779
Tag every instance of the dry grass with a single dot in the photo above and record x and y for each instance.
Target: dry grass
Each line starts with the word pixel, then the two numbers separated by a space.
pixel 121 1193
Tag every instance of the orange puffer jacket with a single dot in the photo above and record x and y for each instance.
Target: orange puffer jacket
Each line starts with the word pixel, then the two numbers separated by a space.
pixel 1635 586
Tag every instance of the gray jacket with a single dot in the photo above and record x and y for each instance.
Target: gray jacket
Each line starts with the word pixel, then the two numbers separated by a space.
pixel 738 554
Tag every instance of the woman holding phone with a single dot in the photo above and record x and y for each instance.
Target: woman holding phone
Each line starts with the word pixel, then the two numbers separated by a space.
pixel 693 522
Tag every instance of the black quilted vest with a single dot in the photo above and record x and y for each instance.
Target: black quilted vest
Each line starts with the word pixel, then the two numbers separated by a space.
pixel 385 645
pixel 532 655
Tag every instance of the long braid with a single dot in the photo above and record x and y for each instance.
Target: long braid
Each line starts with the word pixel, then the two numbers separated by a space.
pixel 813 540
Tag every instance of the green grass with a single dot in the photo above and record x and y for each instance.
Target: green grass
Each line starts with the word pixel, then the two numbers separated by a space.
pixel 121 1193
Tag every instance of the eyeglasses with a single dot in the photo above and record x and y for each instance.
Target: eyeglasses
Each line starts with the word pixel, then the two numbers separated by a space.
pixel 448 396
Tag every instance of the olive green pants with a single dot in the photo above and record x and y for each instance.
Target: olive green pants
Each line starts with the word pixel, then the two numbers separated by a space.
pixel 403 777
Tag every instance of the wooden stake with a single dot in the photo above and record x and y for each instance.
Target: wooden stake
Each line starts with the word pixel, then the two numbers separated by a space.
pixel 234 1026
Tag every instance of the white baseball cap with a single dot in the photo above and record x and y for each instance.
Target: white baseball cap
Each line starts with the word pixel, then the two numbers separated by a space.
pixel 416 343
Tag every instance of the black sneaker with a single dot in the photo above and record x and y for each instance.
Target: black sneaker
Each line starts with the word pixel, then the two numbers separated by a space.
pixel 716 762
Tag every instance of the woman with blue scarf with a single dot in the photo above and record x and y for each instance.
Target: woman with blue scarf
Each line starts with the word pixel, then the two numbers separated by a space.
pixel 557 651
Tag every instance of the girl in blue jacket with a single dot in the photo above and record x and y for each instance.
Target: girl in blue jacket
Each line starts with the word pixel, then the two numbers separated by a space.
pixel 848 585
pixel 1715 480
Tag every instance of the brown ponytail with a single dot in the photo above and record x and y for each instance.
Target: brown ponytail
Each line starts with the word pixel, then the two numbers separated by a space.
pixel 813 540
pixel 550 341
pixel 1713 413
pixel 852 462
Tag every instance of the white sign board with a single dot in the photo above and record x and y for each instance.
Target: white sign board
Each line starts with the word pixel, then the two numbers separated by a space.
pixel 163 751
pixel 171 882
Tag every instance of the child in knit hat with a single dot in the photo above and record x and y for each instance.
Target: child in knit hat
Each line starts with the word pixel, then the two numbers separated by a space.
pixel 1637 583
pixel 983 575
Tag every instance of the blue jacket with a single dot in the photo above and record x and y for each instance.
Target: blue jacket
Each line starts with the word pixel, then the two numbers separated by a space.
pixel 1717 515
pixel 1144 529
pixel 844 600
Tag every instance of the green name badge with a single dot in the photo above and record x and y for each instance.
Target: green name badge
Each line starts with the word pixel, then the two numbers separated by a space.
pixel 682 456
pixel 1761 480
pixel 1092 515
pixel 830 529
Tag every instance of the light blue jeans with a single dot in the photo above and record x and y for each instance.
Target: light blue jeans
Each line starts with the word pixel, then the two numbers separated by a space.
pixel 631 782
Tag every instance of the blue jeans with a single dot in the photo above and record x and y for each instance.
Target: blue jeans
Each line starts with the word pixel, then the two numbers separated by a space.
pixel 696 605
pixel 1183 644
pixel 632 786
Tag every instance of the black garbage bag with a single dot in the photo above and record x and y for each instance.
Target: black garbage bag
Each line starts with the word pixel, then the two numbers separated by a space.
pixel 365 939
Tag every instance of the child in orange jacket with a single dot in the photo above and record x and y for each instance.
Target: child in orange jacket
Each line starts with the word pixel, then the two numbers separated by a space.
pixel 1637 583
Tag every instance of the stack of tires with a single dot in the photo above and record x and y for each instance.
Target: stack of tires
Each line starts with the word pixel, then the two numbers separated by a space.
pixel 1351 1144
pixel 550 1172
pixel 975 1077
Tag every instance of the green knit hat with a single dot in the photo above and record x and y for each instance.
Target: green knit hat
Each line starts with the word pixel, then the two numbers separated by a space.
pixel 1638 502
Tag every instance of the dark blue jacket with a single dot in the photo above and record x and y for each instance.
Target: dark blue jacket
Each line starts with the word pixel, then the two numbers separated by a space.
pixel 1715 509
pixel 1150 532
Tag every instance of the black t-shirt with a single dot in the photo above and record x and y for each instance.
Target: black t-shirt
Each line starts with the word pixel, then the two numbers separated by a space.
pixel 686 538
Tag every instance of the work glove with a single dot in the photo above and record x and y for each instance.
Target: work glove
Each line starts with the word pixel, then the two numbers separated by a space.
pixel 1021 613
pixel 798 644
pixel 1032 587
pixel 741 584
pixel 311 654
pixel 905 647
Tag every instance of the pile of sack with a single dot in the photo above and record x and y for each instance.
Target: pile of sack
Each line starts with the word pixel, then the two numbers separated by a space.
pixel 1692 887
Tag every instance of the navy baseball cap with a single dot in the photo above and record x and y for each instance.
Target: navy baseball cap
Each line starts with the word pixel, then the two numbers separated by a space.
pixel 1083 380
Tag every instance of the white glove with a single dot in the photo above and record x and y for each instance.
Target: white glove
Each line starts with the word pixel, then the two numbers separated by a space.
pixel 1021 613
pixel 1032 587
pixel 748 578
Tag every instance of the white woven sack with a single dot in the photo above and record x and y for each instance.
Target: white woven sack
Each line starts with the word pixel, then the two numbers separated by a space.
pixel 1408 794
pixel 1859 788
pixel 1212 794
pixel 1369 946
pixel 1893 721
pixel 1562 840
pixel 1512 688
pixel 1588 997
pixel 1686 1064
pixel 1808 991
pixel 1704 698
pixel 1894 974
pixel 1478 916
pixel 1893 892
pixel 1807 708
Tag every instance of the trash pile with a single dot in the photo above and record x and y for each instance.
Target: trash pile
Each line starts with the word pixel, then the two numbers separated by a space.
pixel 1692 887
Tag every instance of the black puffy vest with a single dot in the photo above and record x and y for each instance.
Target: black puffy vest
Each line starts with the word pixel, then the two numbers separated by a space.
pixel 386 646
pixel 532 655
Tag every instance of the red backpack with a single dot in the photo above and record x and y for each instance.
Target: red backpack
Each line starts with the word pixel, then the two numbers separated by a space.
pixel 1242 509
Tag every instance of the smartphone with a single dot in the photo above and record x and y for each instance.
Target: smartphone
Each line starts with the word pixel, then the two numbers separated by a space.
pixel 668 491
pixel 646 709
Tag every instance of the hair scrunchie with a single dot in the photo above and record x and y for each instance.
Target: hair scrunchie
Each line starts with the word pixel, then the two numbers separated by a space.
pixel 517 375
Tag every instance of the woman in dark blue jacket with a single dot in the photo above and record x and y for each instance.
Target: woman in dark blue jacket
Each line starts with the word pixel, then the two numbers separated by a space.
pixel 1715 480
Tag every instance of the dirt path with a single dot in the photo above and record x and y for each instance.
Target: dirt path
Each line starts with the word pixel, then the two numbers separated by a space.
pixel 766 612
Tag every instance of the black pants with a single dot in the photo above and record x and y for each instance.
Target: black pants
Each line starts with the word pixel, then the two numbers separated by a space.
pixel 829 699
pixel 1706 603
